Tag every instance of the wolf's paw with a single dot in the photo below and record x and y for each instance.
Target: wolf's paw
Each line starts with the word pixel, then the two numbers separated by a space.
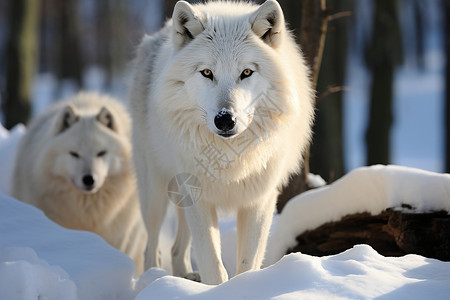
pixel 194 276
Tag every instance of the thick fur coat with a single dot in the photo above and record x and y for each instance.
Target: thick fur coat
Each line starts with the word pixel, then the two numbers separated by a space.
pixel 75 164
pixel 222 93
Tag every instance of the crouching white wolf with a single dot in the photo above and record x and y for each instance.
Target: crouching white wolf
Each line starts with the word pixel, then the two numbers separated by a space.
pixel 75 164
pixel 221 101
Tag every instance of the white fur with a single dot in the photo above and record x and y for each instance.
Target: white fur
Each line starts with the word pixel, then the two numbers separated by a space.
pixel 48 176
pixel 173 107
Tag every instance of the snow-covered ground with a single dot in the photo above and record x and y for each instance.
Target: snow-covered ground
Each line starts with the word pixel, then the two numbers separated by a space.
pixel 41 260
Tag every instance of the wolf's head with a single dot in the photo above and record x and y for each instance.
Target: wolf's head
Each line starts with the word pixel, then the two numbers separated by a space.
pixel 228 64
pixel 87 148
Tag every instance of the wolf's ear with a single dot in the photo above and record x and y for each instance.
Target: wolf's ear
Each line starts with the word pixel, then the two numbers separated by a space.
pixel 67 118
pixel 187 23
pixel 106 118
pixel 268 23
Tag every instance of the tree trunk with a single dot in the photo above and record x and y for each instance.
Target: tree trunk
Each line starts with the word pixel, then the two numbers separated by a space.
pixel 170 4
pixel 104 45
pixel 393 232
pixel 383 55
pixel 380 118
pixel 111 52
pixel 312 39
pixel 291 11
pixel 447 101
pixel 168 7
pixel 327 157
pixel 70 62
pixel 22 55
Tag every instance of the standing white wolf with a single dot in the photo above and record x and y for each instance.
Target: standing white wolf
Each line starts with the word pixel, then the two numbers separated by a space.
pixel 221 97
pixel 75 164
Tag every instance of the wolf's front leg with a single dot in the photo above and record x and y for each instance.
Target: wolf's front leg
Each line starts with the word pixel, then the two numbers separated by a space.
pixel 202 220
pixel 153 212
pixel 181 249
pixel 253 226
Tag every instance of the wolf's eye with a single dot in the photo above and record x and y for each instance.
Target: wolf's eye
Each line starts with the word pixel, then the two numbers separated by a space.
pixel 246 73
pixel 207 73
pixel 101 153
pixel 74 154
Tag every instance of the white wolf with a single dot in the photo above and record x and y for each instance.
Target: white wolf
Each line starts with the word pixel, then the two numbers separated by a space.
pixel 75 164
pixel 221 97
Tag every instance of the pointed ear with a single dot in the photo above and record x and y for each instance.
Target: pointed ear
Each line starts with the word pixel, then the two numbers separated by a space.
pixel 187 23
pixel 106 118
pixel 268 23
pixel 67 117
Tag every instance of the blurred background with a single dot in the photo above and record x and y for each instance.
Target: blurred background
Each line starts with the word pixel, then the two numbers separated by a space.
pixel 382 93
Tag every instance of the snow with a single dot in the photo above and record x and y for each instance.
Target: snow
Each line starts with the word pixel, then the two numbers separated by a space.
pixel 48 259
pixel 358 273
pixel 316 180
pixel 367 189
pixel 24 273
pixel 41 260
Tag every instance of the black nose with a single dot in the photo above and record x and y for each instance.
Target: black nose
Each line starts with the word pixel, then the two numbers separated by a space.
pixel 224 121
pixel 88 180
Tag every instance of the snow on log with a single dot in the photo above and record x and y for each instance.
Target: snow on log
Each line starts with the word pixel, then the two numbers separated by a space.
pixel 364 190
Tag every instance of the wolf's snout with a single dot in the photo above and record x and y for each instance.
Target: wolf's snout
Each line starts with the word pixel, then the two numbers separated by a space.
pixel 88 181
pixel 224 121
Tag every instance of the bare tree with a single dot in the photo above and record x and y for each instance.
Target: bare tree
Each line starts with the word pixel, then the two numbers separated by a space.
pixel 70 62
pixel 327 155
pixel 21 62
pixel 447 101
pixel 312 39
pixel 170 4
pixel 168 7
pixel 112 32
pixel 383 55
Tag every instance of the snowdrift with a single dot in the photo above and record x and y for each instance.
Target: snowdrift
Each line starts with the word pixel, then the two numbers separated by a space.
pixel 367 189
pixel 41 260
